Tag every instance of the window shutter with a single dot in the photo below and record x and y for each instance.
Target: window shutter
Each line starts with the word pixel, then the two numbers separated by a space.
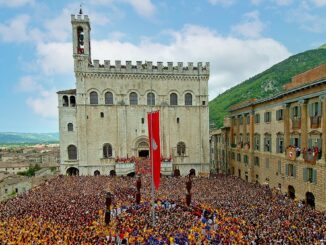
pixel 320 108
pixel 314 176
pixel 287 169
pixel 310 109
pixel 299 142
pixel 279 167
pixel 299 111
pixel 291 141
pixel 277 115
pixel 305 174
pixel 270 144
pixel 310 143
pixel 294 171
pixel 277 145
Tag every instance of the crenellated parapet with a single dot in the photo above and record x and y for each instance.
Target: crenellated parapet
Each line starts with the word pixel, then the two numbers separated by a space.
pixel 79 18
pixel 149 68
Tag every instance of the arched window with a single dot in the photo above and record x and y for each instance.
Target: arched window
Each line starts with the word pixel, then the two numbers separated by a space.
pixel 133 98
pixel 107 150
pixel 181 149
pixel 72 152
pixel 72 101
pixel 65 101
pixel 188 99
pixel 150 98
pixel 80 44
pixel 93 98
pixel 70 127
pixel 173 99
pixel 108 98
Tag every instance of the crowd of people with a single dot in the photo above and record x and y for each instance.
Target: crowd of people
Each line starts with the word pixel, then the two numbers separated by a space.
pixel 224 210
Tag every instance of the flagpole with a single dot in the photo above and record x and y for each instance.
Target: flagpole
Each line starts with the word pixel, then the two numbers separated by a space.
pixel 152 160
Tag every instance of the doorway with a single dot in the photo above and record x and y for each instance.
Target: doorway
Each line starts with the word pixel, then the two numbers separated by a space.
pixel 143 153
pixel 72 171
pixel 310 199
pixel 291 191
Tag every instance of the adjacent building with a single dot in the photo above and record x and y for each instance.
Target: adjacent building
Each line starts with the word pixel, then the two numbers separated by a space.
pixel 279 141
pixel 103 121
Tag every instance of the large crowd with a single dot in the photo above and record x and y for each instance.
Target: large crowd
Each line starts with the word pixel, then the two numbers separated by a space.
pixel 224 210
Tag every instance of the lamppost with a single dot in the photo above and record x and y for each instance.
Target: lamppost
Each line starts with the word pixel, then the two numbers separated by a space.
pixel 138 186
pixel 188 187
pixel 108 202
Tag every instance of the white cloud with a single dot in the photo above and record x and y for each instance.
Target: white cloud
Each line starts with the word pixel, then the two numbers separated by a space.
pixel 142 7
pixel 251 27
pixel 222 2
pixel 319 3
pixel 232 59
pixel 55 58
pixel 44 104
pixel 15 3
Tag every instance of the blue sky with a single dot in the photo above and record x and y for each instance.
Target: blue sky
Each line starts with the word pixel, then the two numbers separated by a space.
pixel 239 37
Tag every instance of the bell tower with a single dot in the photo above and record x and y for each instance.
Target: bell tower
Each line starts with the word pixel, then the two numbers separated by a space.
pixel 81 37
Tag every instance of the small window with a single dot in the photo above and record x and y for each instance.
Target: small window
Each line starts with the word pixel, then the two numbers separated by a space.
pixel 178 120
pixel 290 170
pixel 267 117
pixel 133 98
pixel 279 115
pixel 65 101
pixel 143 120
pixel 203 102
pixel 93 98
pixel 150 98
pixel 181 149
pixel 72 152
pixel 280 143
pixel 295 112
pixel 102 114
pixel 310 175
pixel 241 120
pixel 107 150
pixel 257 118
pixel 70 127
pixel 72 101
pixel 16 190
pixel 108 98
pixel 256 161
pixel 248 119
pixel 188 99
pixel 257 142
pixel 268 143
pixel 173 99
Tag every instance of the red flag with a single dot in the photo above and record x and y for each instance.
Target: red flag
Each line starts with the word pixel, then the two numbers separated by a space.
pixel 154 145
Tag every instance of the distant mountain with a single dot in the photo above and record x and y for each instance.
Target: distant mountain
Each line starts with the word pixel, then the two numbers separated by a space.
pixel 265 84
pixel 28 138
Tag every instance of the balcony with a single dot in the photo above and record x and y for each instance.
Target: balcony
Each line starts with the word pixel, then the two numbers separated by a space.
pixel 296 123
pixel 312 155
pixel 315 122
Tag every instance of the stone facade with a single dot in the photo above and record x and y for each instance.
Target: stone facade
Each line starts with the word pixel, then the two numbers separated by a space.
pixel 279 141
pixel 104 120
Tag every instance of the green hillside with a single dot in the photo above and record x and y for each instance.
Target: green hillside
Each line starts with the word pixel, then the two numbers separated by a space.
pixel 28 138
pixel 266 83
